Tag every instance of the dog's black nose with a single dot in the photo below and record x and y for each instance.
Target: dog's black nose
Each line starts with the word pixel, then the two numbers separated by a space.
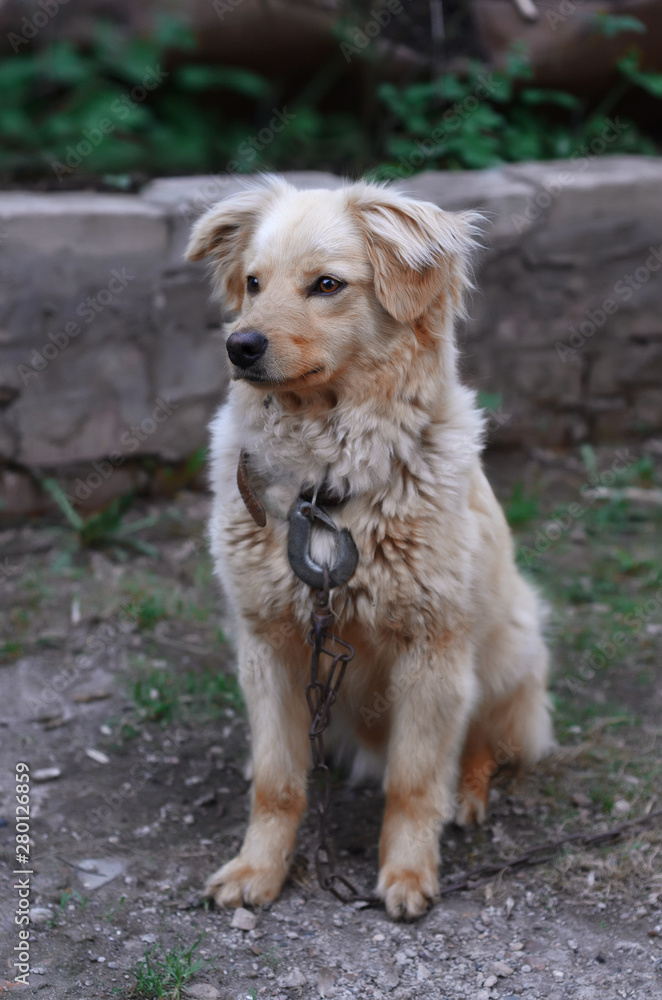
pixel 245 347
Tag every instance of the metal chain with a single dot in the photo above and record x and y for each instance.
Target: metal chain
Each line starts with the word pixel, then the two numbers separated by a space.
pixel 321 696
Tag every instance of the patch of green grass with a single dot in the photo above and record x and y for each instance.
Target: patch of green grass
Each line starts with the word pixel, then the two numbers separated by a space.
pixel 521 508
pixel 10 650
pixel 113 912
pixel 272 957
pixel 164 974
pixel 162 695
pixel 602 797
pixel 147 609
pixel 149 599
pixel 155 695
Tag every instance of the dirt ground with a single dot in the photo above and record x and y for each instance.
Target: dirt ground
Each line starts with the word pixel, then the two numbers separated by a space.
pixel 117 690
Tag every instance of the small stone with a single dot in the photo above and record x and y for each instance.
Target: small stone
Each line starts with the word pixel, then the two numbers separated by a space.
pixel 148 938
pixel 97 755
pixel 501 969
pixel 326 981
pixel 188 819
pixel 557 974
pixel 579 799
pixel 40 915
pixel 516 946
pixel 621 807
pixel 294 979
pixel 572 945
pixel 388 979
pixel 490 982
pixel 203 991
pixel 422 972
pixel 46 774
pixel 78 935
pixel 95 872
pixel 378 937
pixel 510 906
pixel 526 968
pixel 243 919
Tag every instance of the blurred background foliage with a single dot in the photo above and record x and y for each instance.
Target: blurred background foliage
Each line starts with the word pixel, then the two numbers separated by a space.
pixel 118 106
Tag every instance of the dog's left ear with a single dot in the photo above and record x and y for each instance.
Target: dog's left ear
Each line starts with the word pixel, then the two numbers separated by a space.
pixel 223 232
pixel 419 253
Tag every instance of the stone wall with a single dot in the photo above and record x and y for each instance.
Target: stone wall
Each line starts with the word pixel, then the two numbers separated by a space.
pixel 109 346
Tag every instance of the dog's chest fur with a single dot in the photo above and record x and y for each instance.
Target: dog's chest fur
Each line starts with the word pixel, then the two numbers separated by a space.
pixel 406 476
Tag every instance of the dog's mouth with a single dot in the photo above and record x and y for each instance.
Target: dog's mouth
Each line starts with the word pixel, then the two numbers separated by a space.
pixel 260 378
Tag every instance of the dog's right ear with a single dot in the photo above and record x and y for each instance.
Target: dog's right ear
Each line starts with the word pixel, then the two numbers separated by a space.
pixel 223 232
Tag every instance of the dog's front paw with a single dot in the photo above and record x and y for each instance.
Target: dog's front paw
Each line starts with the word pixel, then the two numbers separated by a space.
pixel 407 893
pixel 239 882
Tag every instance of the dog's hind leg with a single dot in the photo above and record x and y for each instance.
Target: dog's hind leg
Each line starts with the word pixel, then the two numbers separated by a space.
pixel 477 766
pixel 281 757
pixel 514 733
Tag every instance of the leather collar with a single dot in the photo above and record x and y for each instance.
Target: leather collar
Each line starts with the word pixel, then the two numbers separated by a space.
pixel 326 495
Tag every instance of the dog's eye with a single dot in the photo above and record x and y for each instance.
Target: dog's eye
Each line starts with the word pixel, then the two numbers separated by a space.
pixel 252 284
pixel 327 285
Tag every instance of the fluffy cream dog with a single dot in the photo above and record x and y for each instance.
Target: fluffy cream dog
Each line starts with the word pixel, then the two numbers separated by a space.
pixel 344 369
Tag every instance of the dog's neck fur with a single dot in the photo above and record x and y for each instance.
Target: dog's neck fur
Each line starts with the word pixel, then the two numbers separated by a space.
pixel 356 440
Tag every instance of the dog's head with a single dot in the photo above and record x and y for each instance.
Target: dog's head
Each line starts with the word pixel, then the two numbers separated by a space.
pixel 325 283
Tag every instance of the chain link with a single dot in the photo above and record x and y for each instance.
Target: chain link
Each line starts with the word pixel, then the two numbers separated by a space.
pixel 321 696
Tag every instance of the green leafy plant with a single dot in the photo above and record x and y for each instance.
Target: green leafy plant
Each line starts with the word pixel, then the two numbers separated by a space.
pixel 482 118
pixel 611 25
pixel 164 974
pixel 120 108
pixel 107 527
pixel 10 650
